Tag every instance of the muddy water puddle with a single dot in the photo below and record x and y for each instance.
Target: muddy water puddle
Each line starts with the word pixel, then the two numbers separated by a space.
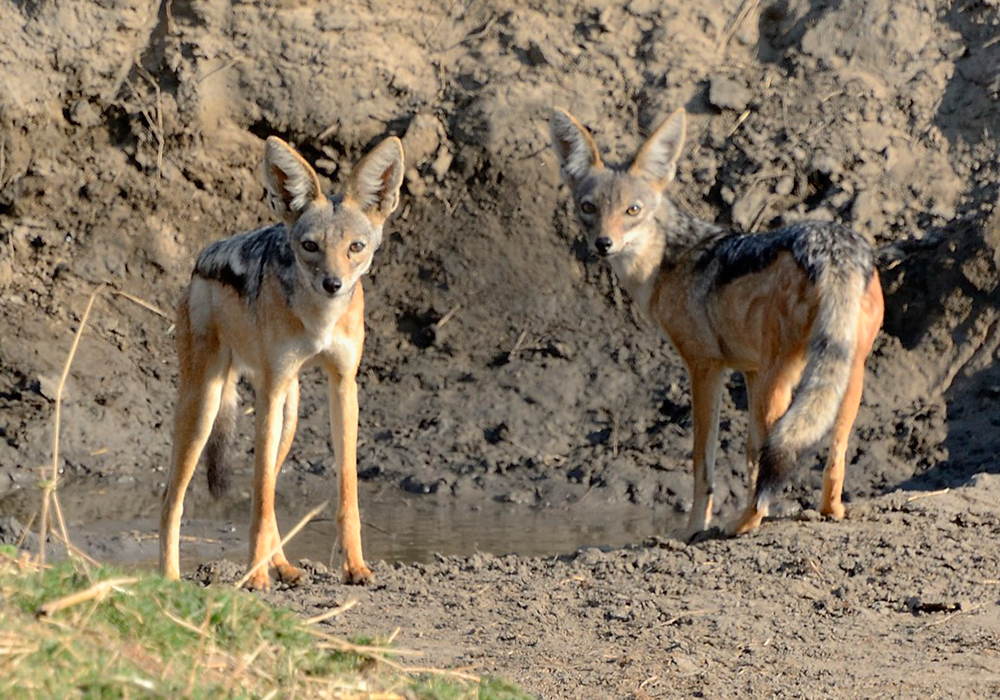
pixel 393 530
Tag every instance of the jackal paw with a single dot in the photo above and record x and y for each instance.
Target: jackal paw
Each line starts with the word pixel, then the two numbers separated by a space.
pixel 288 573
pixel 747 522
pixel 833 510
pixel 690 534
pixel 260 581
pixel 358 575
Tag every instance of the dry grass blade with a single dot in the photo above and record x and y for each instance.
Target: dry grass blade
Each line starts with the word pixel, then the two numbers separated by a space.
pixel 274 550
pixel 144 304
pixel 52 483
pixel 448 316
pixel 929 494
pixel 733 25
pixel 86 558
pixel 183 623
pixel 375 652
pixel 95 592
pixel 333 612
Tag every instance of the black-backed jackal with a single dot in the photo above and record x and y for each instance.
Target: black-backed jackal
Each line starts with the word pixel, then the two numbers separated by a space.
pixel 265 303
pixel 796 309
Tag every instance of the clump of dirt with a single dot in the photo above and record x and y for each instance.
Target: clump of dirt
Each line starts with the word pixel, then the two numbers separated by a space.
pixel 502 363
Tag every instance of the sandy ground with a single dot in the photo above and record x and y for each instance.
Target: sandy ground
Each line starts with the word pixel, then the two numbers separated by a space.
pixel 544 416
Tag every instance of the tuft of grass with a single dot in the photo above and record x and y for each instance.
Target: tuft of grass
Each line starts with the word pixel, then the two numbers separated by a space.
pixel 108 636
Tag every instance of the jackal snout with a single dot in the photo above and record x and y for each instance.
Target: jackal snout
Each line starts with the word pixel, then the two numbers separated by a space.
pixel 334 248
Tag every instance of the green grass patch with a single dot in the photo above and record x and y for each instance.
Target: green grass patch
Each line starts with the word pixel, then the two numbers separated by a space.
pixel 68 633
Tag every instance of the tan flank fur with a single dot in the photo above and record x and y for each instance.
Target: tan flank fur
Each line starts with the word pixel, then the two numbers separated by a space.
pixel 265 304
pixel 796 309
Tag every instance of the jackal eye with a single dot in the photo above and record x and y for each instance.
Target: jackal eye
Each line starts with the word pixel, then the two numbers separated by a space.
pixel 310 246
pixel 634 209
pixel 588 207
pixel 357 247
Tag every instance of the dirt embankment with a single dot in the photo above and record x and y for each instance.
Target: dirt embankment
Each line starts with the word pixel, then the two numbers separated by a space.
pixel 130 135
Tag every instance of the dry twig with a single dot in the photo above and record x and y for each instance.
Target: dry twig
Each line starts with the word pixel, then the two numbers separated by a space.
pixel 733 25
pixel 96 592
pixel 929 494
pixel 51 485
pixel 332 612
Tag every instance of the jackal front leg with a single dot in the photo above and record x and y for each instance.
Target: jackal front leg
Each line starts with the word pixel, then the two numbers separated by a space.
pixel 286 572
pixel 706 390
pixel 344 427
pixel 268 422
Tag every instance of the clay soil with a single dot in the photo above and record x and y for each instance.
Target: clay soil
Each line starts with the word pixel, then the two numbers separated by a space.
pixel 507 378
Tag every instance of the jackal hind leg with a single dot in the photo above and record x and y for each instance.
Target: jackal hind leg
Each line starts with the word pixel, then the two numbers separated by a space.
pixel 755 431
pixel 770 397
pixel 198 400
pixel 833 474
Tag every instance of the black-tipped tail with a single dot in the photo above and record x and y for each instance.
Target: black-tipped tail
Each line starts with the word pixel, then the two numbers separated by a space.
pixel 219 450
pixel 817 399
pixel 774 467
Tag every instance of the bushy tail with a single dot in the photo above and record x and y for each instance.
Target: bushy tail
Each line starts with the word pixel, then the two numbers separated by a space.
pixel 821 390
pixel 218 451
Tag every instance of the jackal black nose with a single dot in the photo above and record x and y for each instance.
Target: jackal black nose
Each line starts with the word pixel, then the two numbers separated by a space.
pixel 603 245
pixel 332 285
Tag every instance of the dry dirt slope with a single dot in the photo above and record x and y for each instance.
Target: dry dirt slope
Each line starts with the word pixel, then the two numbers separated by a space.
pixel 130 134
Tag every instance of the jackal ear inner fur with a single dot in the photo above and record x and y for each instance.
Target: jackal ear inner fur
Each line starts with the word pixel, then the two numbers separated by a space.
pixel 656 161
pixel 574 146
pixel 376 179
pixel 291 183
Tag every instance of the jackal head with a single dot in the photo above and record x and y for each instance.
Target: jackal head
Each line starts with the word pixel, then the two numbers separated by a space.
pixel 333 239
pixel 617 206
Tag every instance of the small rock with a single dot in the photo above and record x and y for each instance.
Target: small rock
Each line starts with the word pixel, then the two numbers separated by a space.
pixel 326 166
pixel 82 113
pixel 222 571
pixel 557 348
pixel 726 93
pixel 748 207
pixel 785 185
pixel 411 484
pixel 6 274
pixel 422 138
pixel 48 386
pixel 590 556
pixel 441 164
pixel 414 183
pixel 644 7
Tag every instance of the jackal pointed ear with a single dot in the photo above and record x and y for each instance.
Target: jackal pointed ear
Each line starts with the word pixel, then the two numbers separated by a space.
pixel 657 159
pixel 290 181
pixel 574 145
pixel 374 183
